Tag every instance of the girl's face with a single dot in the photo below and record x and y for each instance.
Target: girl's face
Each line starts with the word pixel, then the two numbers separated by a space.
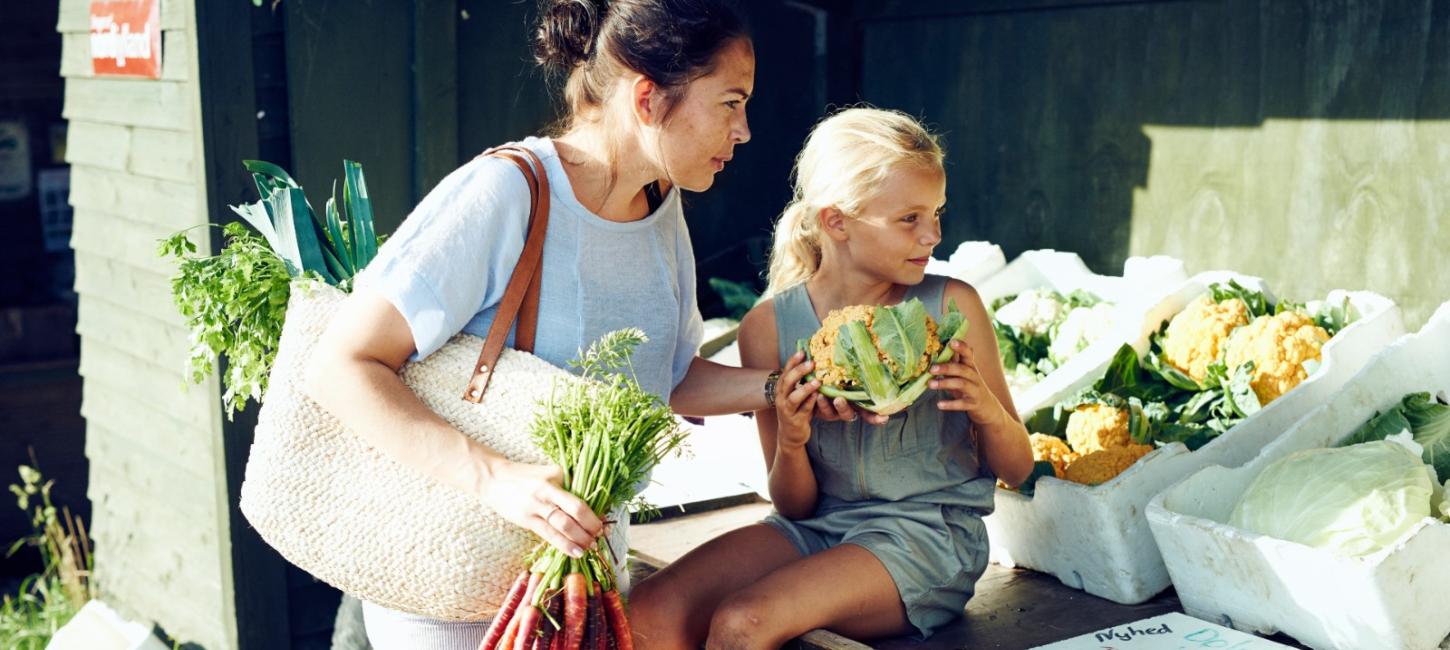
pixel 702 131
pixel 898 227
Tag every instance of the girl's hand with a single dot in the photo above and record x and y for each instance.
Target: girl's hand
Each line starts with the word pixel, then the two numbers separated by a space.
pixel 795 403
pixel 963 382
pixel 531 497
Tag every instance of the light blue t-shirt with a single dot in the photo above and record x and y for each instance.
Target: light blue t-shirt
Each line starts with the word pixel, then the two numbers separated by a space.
pixel 446 268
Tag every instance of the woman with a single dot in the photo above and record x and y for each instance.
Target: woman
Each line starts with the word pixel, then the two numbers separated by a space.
pixel 656 96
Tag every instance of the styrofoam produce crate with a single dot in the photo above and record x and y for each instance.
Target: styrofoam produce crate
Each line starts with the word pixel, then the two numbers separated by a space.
pixel 1096 538
pixel 1397 598
pixel 971 262
pixel 1144 281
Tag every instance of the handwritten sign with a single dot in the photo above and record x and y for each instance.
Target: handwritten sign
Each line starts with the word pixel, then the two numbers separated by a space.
pixel 126 38
pixel 1167 632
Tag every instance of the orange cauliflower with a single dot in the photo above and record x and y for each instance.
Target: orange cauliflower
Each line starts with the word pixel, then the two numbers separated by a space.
pixel 1279 346
pixel 1053 450
pixel 823 345
pixel 1093 427
pixel 1197 335
pixel 1103 465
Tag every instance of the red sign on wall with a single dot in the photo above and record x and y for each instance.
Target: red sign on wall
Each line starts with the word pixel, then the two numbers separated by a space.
pixel 126 38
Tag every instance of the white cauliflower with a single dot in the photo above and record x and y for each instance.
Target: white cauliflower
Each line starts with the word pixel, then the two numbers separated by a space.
pixel 1020 379
pixel 1032 312
pixel 1081 328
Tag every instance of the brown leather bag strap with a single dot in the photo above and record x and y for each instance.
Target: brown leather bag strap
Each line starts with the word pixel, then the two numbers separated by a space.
pixel 522 291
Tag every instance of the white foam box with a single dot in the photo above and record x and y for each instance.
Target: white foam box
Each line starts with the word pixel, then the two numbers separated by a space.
pixel 98 627
pixel 1096 537
pixel 972 262
pixel 1396 598
pixel 1145 280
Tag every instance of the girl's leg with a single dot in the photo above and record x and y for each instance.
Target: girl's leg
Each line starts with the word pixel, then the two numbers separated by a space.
pixel 672 608
pixel 845 589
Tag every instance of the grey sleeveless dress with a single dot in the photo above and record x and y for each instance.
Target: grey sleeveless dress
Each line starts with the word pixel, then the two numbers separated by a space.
pixel 912 491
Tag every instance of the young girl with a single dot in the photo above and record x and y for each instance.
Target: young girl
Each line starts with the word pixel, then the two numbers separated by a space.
pixel 878 527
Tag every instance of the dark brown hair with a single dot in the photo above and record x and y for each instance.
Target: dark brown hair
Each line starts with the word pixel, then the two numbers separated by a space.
pixel 592 42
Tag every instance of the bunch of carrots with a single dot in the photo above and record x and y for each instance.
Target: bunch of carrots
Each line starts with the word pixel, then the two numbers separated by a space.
pixel 606 435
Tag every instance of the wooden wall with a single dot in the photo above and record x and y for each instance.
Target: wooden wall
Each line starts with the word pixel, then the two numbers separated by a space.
pixel 1303 141
pixel 412 90
pixel 159 526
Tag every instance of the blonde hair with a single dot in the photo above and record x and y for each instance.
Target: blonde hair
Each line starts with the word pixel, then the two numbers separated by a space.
pixel 844 161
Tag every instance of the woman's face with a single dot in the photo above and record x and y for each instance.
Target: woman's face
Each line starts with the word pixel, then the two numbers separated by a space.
pixel 899 225
pixel 700 135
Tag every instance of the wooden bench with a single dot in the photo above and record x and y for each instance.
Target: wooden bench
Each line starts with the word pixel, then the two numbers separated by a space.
pixel 1012 608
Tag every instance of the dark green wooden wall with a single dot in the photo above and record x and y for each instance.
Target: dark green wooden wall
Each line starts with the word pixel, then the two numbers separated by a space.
pixel 1304 141
pixel 1301 141
pixel 412 90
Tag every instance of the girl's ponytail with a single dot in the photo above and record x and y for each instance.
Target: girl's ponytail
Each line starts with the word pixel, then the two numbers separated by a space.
pixel 796 252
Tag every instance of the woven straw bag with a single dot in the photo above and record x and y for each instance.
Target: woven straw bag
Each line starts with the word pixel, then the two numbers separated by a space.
pixel 366 524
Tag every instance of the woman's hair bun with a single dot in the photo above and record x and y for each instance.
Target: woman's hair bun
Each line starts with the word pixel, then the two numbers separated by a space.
pixel 567 32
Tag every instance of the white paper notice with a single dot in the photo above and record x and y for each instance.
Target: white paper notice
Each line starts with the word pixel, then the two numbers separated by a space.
pixel 1167 632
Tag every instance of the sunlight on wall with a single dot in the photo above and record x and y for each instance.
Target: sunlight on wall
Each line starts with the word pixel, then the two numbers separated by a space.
pixel 1309 205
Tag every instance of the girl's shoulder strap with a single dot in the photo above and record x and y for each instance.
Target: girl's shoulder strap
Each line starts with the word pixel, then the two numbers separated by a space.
pixel 795 319
pixel 930 290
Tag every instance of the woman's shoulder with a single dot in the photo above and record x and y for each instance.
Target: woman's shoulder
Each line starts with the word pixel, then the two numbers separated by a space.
pixel 485 196
pixel 488 175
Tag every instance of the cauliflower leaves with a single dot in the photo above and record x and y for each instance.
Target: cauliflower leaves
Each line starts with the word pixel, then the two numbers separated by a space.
pixel 878 357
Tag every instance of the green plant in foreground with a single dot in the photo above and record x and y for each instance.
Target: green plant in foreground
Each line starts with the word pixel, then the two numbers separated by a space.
pixel 48 600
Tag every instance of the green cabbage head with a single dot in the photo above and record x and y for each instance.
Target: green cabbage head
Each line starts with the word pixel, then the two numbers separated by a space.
pixel 1354 500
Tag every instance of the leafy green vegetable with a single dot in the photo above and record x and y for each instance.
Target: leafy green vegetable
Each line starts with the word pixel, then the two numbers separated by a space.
pixel 1241 396
pixel 334 248
pixel 1334 317
pixel 1166 405
pixel 235 303
pixel 606 435
pixel 1040 469
pixel 1032 348
pixel 1352 500
pixel 1425 417
pixel 1256 301
pixel 900 333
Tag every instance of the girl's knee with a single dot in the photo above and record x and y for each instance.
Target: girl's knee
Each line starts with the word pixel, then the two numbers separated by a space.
pixel 743 620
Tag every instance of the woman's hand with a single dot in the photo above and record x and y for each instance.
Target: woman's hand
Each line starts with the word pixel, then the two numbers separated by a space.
pixel 839 409
pixel 531 497
pixel 961 379
pixel 795 403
